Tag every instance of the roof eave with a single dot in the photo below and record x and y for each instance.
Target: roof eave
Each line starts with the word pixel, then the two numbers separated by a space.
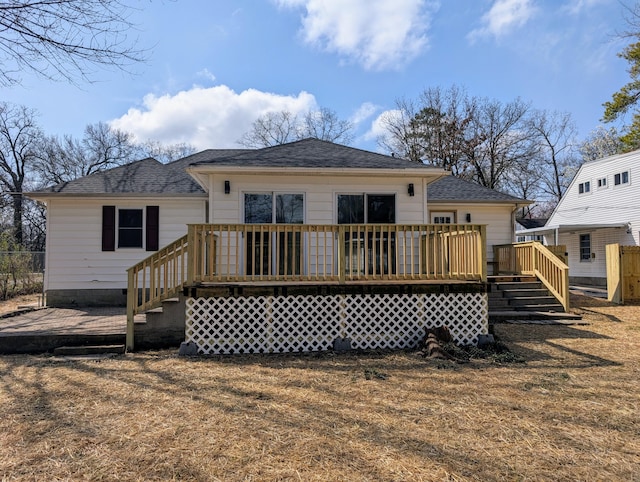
pixel 564 228
pixel 38 196
pixel 194 170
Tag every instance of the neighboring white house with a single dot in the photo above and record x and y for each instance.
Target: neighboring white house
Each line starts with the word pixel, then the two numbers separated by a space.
pixel 600 207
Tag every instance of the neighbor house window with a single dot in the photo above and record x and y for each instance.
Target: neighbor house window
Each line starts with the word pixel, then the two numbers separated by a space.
pixel 602 183
pixel 130 228
pixel 584 187
pixel 585 247
pixel 621 178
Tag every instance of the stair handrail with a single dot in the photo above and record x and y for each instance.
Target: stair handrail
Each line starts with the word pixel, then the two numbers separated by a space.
pixel 553 273
pixel 160 276
pixel 532 258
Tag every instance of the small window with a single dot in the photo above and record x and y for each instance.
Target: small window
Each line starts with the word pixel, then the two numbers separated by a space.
pixel 130 228
pixel 621 178
pixel 602 183
pixel 585 247
pixel 442 217
pixel 584 187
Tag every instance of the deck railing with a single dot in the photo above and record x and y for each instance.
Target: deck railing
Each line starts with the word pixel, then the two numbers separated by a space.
pixel 532 258
pixel 253 254
pixel 268 253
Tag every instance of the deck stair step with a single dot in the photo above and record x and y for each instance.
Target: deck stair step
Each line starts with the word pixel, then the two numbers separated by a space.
pixel 88 350
pixel 520 294
pixel 524 316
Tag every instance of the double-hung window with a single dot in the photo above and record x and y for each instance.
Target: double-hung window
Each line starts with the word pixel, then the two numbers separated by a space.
pixel 124 228
pixel 129 228
pixel 585 247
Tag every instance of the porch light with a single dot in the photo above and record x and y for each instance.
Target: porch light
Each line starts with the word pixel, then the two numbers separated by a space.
pixel 410 190
pixel 227 187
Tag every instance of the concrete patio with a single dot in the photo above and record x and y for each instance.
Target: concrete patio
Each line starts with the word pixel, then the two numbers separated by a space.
pixel 40 330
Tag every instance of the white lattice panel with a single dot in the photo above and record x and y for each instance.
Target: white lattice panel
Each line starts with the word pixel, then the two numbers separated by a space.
pixel 270 324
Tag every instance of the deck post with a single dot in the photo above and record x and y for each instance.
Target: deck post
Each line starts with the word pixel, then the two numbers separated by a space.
pixel 131 303
pixel 482 248
pixel 191 254
pixel 342 255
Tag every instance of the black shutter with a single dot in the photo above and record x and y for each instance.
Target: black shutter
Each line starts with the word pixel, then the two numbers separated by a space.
pixel 153 228
pixel 108 228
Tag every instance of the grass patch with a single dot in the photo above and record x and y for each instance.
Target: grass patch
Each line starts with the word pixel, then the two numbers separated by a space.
pixel 569 413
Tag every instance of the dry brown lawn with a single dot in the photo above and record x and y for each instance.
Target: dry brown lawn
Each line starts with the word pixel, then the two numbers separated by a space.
pixel 570 412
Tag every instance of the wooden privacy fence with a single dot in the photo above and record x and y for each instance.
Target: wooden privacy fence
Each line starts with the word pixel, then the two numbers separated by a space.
pixel 534 259
pixel 623 273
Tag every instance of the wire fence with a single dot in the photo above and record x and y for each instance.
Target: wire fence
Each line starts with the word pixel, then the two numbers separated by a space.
pixel 32 260
pixel 21 272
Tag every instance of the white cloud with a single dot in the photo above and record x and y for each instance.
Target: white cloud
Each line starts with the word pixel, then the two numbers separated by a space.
pixel 364 112
pixel 379 125
pixel 378 34
pixel 214 117
pixel 503 17
pixel 576 7
pixel 206 74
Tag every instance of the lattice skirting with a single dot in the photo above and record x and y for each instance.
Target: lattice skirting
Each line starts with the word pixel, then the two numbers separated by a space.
pixel 279 324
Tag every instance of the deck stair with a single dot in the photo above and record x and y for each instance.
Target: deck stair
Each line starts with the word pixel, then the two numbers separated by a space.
pixel 167 319
pixel 522 297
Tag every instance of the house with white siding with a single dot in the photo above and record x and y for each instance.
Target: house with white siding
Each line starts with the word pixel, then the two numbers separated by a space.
pixel 286 248
pixel 600 207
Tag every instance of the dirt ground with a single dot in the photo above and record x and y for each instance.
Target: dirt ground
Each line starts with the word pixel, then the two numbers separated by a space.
pixel 567 408
pixel 8 306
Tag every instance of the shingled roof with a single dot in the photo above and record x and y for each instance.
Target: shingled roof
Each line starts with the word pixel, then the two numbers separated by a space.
pixel 146 176
pixel 311 153
pixel 453 189
pixel 149 176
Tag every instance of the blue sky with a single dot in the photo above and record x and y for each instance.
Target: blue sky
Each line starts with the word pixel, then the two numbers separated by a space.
pixel 214 66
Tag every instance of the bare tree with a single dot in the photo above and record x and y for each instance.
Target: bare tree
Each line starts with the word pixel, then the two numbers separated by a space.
pixel 64 39
pixel 20 138
pixel 601 143
pixel 555 133
pixel 326 125
pixel 400 138
pixel 443 127
pixel 271 129
pixel 64 159
pixel 275 128
pixel 503 141
pixel 163 152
